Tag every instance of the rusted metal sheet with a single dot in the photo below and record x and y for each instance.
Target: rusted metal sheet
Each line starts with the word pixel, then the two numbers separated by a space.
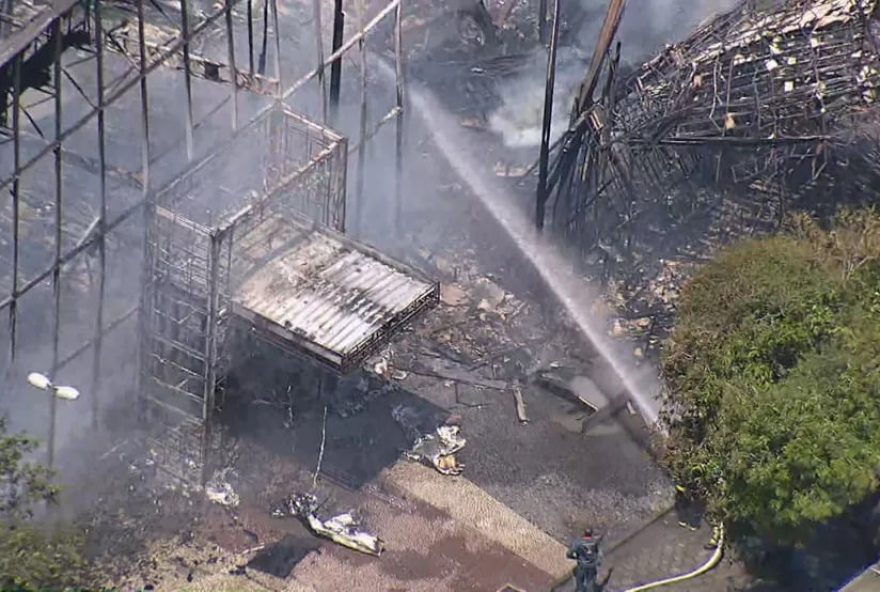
pixel 329 297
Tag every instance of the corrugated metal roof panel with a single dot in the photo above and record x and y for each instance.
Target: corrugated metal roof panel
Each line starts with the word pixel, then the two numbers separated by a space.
pixel 330 296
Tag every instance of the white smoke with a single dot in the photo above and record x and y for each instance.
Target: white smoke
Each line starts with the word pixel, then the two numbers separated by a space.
pixel 647 26
pixel 519 118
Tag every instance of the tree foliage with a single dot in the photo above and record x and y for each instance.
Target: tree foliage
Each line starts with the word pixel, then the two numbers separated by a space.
pixel 32 557
pixel 773 378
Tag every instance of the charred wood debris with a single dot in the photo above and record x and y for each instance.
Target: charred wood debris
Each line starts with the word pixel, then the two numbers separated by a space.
pixel 768 109
pixel 472 46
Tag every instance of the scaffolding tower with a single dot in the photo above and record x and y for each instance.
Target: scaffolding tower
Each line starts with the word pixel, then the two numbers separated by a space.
pixel 112 111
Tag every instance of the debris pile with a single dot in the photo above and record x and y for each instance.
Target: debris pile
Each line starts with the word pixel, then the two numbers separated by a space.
pixel 756 97
pixel 342 529
pixel 437 448
pixel 467 295
pixel 768 107
pixel 219 490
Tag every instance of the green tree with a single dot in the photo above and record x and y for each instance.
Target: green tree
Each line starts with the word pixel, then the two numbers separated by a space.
pixel 31 557
pixel 773 377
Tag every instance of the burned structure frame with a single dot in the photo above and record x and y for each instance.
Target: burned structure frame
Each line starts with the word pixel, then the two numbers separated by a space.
pixel 36 38
pixel 764 109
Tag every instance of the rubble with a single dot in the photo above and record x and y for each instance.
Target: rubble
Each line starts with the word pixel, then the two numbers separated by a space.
pixel 452 295
pixel 572 387
pixel 436 449
pixel 489 294
pixel 354 393
pixel 382 368
pixel 219 491
pixel 766 109
pixel 520 405
pixel 503 169
pixel 453 372
pixel 342 529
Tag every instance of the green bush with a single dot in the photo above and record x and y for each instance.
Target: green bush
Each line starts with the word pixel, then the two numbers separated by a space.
pixel 32 556
pixel 773 377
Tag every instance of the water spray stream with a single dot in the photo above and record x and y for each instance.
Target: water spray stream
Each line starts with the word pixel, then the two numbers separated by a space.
pixel 571 291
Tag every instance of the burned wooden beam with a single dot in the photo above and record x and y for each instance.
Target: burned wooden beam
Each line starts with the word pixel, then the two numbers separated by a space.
pixel 603 44
pixel 763 95
pixel 36 65
pixel 336 66
pixel 544 158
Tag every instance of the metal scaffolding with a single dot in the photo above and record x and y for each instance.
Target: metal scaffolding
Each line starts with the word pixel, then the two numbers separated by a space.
pixel 110 112
pixel 197 257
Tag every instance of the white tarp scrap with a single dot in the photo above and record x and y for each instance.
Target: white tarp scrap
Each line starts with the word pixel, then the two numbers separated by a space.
pixel 436 449
pixel 219 491
pixel 343 529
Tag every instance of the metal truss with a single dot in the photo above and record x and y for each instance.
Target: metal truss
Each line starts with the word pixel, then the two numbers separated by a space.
pixel 59 54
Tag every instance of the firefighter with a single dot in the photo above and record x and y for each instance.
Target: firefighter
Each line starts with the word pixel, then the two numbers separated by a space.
pixel 686 508
pixel 588 556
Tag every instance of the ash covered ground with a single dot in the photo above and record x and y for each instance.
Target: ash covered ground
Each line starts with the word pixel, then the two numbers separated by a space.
pixel 527 488
pixel 490 330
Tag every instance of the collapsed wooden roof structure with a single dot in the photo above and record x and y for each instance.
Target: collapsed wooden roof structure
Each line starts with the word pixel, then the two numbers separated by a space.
pixel 773 99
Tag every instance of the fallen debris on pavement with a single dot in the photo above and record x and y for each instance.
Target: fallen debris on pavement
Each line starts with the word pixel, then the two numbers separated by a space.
pixel 577 389
pixel 436 449
pixel 342 529
pixel 520 405
pixel 219 491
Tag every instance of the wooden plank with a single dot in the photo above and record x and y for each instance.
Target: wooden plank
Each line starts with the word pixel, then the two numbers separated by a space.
pixel 606 36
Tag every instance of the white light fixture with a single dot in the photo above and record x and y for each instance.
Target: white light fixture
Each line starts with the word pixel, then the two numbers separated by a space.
pixel 42 382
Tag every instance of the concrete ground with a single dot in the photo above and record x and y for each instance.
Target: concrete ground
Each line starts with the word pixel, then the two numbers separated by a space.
pixel 664 549
pixel 528 488
pixel 865 582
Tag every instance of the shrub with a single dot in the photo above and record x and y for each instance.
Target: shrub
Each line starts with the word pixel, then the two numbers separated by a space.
pixel 32 556
pixel 773 378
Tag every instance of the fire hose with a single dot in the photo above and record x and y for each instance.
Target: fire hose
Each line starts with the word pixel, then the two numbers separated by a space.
pixel 708 565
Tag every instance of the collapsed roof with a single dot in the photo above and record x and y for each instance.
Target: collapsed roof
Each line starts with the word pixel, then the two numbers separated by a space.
pixel 767 78
pixel 773 96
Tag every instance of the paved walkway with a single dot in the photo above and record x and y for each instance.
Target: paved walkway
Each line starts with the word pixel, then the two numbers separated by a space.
pixel 867 581
pixel 661 550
